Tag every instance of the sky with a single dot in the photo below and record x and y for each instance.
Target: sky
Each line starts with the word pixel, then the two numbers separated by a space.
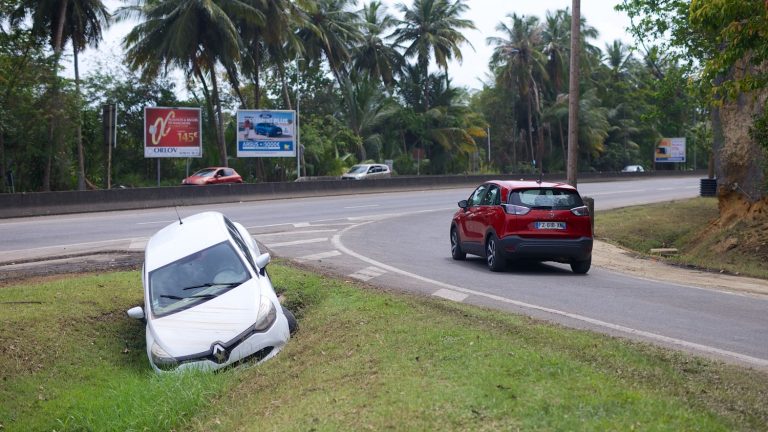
pixel 486 14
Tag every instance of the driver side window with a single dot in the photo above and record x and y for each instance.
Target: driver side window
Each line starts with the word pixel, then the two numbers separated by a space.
pixel 492 197
pixel 477 196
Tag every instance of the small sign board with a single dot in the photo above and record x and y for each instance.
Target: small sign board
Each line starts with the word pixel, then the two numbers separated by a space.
pixel 670 150
pixel 266 133
pixel 172 132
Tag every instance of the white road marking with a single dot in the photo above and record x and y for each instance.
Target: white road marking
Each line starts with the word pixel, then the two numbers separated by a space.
pixel 363 206
pixel 319 256
pixel 301 225
pixel 336 241
pixel 157 222
pixel 64 246
pixel 450 295
pixel 138 244
pixel 282 233
pixel 367 273
pixel 297 242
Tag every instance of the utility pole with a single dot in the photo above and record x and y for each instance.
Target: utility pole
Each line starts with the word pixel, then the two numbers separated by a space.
pixel 573 94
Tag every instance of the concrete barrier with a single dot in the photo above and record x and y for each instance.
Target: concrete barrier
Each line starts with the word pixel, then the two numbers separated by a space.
pixel 49 203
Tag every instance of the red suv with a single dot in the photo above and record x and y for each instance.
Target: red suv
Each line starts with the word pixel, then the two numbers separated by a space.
pixel 515 220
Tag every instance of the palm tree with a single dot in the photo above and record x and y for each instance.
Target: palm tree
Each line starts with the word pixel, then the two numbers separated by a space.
pixel 61 20
pixel 368 113
pixel 193 35
pixel 330 30
pixel 433 28
pixel 521 64
pixel 374 57
pixel 85 21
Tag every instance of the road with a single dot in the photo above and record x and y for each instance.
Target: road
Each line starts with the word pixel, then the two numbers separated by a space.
pixel 400 241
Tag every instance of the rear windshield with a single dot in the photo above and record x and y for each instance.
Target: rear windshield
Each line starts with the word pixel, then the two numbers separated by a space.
pixel 546 198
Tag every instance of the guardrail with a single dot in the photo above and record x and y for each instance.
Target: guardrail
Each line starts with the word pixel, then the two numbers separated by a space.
pixel 49 203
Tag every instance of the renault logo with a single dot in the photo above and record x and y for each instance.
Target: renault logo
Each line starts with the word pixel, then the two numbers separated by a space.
pixel 219 353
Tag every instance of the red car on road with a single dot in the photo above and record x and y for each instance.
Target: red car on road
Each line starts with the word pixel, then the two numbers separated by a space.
pixel 523 220
pixel 213 175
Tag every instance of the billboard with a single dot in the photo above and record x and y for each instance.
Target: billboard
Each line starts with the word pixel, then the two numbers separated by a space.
pixel 266 133
pixel 670 150
pixel 172 132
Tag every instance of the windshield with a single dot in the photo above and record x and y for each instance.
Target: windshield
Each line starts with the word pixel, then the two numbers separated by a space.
pixel 358 169
pixel 195 279
pixel 544 198
pixel 205 173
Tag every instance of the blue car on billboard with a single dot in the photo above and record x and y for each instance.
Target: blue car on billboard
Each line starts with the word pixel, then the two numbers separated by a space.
pixel 268 129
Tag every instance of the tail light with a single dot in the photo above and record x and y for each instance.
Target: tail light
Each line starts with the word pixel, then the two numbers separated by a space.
pixel 516 209
pixel 580 211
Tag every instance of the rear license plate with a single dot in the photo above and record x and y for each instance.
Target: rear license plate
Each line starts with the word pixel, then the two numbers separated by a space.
pixel 550 225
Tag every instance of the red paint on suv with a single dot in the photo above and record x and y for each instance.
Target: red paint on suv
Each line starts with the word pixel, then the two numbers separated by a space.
pixel 517 220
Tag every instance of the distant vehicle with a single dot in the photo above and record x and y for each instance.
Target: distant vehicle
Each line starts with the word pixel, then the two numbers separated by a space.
pixel 213 175
pixel 268 129
pixel 633 168
pixel 367 171
pixel 208 301
pixel 523 220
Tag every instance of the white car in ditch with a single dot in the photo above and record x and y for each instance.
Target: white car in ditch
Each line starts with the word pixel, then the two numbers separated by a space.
pixel 208 301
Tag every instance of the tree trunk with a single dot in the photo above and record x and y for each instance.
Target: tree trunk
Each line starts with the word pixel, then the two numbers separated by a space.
pixel 3 174
pixel 223 160
pixel 255 77
pixel 80 153
pixel 573 94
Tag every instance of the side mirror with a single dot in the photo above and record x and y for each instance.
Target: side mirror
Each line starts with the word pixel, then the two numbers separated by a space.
pixel 463 204
pixel 262 261
pixel 136 313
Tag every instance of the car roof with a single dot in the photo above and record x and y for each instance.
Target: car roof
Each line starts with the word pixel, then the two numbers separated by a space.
pixel 526 184
pixel 178 240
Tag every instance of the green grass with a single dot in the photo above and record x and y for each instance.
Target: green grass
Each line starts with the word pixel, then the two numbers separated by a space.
pixel 740 248
pixel 361 360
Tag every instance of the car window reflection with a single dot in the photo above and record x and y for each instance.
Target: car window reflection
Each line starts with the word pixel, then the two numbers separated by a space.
pixel 195 278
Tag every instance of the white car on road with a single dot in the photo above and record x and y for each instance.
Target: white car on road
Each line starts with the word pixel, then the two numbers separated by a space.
pixel 208 301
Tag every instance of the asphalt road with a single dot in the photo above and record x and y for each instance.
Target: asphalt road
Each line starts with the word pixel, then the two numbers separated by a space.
pixel 400 241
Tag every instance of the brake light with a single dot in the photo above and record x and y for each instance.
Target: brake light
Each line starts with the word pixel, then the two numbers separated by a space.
pixel 516 209
pixel 580 211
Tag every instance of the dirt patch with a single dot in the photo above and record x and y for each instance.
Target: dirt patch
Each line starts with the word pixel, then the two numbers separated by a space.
pixel 614 258
pixel 51 268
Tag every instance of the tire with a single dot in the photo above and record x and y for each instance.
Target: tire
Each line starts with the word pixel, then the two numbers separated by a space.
pixel 581 267
pixel 293 324
pixel 456 252
pixel 493 258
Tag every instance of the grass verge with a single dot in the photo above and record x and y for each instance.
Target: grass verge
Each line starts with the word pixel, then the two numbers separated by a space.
pixel 362 359
pixel 688 225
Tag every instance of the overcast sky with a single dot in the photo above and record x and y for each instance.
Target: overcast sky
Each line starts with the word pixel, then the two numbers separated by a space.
pixel 486 14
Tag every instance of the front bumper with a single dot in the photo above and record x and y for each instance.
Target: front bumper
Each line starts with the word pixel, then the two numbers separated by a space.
pixel 560 250
pixel 259 346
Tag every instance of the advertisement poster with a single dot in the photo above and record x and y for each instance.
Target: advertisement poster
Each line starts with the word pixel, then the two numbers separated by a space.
pixel 172 132
pixel 264 133
pixel 670 150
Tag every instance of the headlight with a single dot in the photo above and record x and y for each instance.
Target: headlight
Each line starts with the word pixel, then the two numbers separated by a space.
pixel 266 315
pixel 162 359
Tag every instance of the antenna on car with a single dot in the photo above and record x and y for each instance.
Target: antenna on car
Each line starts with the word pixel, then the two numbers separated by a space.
pixel 177 214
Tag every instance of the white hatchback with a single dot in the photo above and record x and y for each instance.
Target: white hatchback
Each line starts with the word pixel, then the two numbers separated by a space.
pixel 208 301
pixel 367 171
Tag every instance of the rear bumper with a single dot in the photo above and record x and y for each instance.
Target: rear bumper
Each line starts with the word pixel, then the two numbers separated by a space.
pixel 561 250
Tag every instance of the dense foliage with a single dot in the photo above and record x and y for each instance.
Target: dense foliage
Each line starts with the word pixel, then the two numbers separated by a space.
pixel 371 85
